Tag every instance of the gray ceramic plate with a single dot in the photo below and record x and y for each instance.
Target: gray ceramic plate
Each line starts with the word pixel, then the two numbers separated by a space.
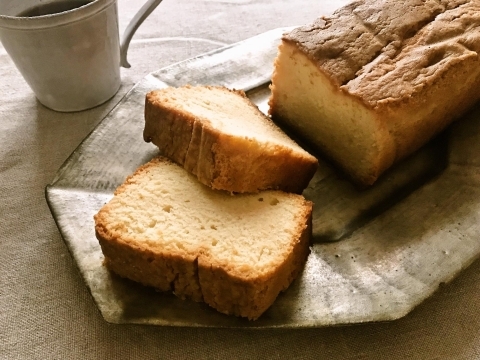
pixel 375 255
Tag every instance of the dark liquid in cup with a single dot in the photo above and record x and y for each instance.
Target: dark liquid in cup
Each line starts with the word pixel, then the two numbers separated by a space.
pixel 53 8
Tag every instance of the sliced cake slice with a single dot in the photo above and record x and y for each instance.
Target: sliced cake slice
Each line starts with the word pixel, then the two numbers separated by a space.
pixel 165 229
pixel 221 137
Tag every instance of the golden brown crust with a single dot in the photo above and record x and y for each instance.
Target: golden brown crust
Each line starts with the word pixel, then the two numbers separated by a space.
pixel 413 65
pixel 401 78
pixel 198 275
pixel 163 271
pixel 384 51
pixel 221 160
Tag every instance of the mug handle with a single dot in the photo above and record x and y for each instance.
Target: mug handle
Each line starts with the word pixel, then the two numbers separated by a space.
pixel 134 24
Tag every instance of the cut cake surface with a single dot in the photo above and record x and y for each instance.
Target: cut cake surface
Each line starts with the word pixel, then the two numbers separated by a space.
pixel 164 229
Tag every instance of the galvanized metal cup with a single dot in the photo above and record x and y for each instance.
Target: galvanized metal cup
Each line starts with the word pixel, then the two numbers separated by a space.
pixel 72 59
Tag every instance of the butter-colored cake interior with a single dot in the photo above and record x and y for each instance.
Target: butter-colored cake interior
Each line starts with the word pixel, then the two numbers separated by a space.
pixel 222 137
pixel 236 253
pixel 169 211
pixel 308 102
pixel 225 111
pixel 376 80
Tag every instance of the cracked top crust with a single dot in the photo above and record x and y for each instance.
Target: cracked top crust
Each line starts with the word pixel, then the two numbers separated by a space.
pixel 385 51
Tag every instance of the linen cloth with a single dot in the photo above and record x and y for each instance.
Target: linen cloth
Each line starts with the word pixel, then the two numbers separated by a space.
pixel 46 311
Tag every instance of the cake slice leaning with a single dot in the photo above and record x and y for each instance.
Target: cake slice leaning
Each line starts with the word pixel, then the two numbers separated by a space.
pixel 221 137
pixel 374 81
pixel 236 253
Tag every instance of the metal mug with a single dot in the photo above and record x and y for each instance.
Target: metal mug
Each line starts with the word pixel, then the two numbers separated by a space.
pixel 71 59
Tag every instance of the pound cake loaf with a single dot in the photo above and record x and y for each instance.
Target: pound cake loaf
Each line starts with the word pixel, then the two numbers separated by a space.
pixel 376 80
pixel 165 229
pixel 221 137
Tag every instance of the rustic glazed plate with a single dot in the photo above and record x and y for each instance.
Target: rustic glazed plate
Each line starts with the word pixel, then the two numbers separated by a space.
pixel 376 253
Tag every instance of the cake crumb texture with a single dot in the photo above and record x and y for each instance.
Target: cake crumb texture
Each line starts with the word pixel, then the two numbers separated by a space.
pixel 376 80
pixel 164 229
pixel 222 138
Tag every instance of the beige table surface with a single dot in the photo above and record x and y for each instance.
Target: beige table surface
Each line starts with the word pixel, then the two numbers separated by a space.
pixel 46 311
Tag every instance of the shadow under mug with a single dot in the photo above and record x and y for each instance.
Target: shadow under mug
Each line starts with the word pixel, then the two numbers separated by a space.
pixel 70 59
